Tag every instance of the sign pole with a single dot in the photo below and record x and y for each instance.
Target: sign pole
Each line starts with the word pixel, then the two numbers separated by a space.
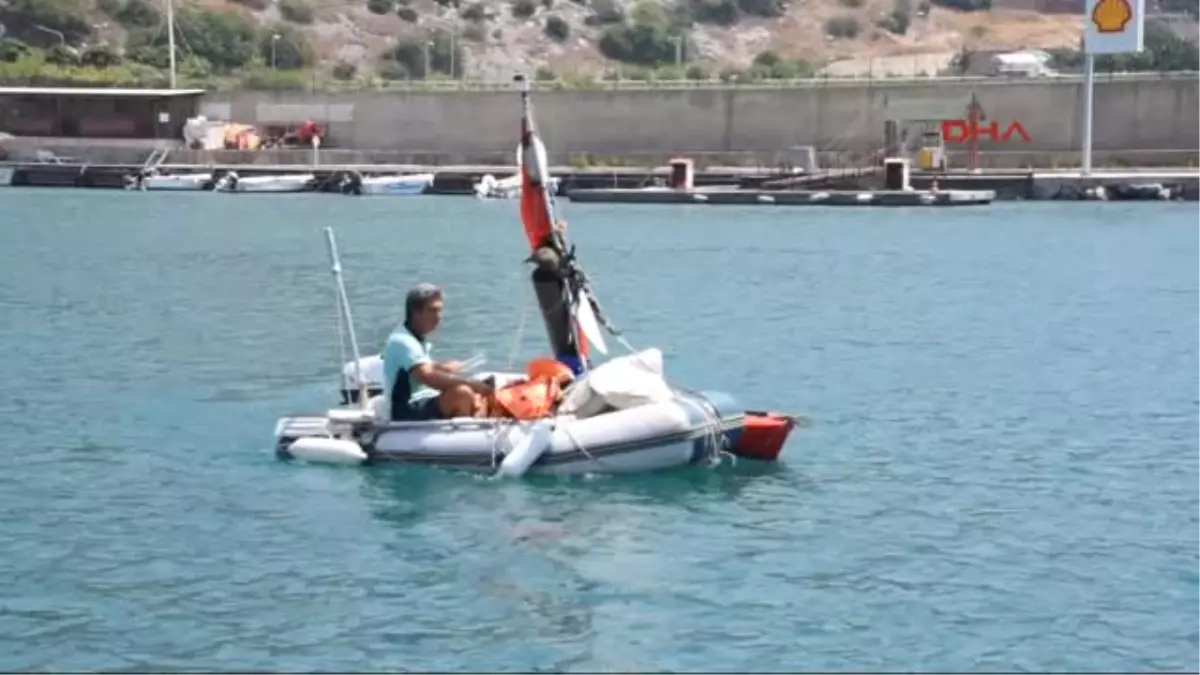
pixel 1110 27
pixel 1089 97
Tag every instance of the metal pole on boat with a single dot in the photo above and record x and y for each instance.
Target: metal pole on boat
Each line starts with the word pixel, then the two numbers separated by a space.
pixel 1089 93
pixel 345 302
pixel 171 38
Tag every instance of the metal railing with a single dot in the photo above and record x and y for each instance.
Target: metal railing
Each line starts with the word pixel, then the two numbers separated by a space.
pixel 471 85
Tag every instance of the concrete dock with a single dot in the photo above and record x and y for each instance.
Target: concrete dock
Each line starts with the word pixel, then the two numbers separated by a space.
pixel 448 180
pixel 1175 184
pixel 859 198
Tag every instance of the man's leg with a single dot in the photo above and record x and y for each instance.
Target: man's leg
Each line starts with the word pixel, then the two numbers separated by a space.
pixel 460 401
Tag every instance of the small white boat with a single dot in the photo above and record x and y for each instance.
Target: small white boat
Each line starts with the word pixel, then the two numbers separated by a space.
pixel 489 187
pixel 399 185
pixel 152 179
pixel 232 182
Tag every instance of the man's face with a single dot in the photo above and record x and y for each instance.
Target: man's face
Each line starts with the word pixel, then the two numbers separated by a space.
pixel 429 317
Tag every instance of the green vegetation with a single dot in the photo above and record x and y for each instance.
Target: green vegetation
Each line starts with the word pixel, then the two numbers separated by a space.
pixel 474 12
pixel 965 5
pixel 650 39
pixel 407 58
pixel 842 27
pixel 296 11
pixel 214 47
pixel 1164 51
pixel 381 7
pixel 898 20
pixel 51 42
pixel 40 22
pixel 557 28
pixel 523 9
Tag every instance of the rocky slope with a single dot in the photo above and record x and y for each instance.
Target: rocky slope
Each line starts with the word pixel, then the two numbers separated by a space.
pixel 356 38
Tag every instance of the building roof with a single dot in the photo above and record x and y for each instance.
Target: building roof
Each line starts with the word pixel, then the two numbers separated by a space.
pixel 98 92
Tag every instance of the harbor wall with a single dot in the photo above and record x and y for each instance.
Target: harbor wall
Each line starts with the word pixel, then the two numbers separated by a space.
pixel 1143 113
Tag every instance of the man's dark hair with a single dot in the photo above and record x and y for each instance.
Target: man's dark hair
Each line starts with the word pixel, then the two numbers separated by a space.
pixel 420 296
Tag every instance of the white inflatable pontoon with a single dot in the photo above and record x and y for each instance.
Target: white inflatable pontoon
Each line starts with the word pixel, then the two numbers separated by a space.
pixel 620 417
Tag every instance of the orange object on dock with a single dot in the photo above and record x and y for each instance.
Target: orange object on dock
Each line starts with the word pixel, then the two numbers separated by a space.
pixel 763 435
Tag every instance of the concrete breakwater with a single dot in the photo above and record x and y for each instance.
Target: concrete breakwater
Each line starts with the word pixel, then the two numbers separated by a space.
pixel 1144 113
pixel 459 180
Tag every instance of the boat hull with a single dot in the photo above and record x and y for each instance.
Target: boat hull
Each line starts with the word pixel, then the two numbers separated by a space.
pixel 689 430
pixel 397 186
pixel 177 182
pixel 265 184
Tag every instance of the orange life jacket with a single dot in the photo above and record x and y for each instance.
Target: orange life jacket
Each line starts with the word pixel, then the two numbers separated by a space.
pixel 534 398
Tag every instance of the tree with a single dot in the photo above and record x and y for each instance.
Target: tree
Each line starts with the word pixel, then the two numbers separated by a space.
pixel 410 55
pixel 720 12
pixel 523 9
pixel 291 50
pixel 296 11
pixel 1163 51
pixel 137 14
pixel 29 20
pixel 557 28
pixel 226 41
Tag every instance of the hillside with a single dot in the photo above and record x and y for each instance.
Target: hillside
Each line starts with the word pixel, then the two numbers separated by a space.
pixel 361 39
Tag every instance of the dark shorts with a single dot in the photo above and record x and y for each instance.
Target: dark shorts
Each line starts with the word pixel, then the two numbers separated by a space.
pixel 424 409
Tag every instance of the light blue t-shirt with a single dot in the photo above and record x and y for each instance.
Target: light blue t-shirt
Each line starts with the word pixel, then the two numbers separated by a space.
pixel 402 353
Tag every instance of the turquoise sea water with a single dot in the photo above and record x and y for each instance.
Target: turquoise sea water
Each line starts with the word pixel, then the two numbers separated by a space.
pixel 1001 472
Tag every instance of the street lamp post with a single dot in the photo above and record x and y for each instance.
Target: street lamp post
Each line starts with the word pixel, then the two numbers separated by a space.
pixel 428 45
pixel 275 37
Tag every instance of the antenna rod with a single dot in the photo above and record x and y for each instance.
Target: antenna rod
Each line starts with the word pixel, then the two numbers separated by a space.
pixel 171 37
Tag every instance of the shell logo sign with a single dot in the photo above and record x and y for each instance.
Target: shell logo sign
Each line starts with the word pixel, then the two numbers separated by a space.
pixel 1111 16
pixel 1113 26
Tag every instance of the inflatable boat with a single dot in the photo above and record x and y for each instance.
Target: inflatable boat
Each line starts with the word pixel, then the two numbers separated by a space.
pixel 617 416
pixel 232 182
pixel 399 185
pixel 651 427
pixel 153 180
pixel 489 187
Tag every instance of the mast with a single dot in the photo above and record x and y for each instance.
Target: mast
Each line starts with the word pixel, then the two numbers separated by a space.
pixel 569 311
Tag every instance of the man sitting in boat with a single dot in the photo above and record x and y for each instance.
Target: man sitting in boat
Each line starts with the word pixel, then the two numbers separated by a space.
pixel 421 388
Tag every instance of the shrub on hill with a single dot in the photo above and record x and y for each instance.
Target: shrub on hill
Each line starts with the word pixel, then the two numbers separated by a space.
pixel 649 40
pixel 381 7
pixel 764 8
pixel 842 27
pixel 965 5
pixel 409 55
pixel 226 41
pixel 296 11
pixel 557 28
pixel 523 9
pixel 36 21
pixel 291 50
pixel 132 13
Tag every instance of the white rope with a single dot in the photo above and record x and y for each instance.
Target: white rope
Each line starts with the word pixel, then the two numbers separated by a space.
pixel 519 337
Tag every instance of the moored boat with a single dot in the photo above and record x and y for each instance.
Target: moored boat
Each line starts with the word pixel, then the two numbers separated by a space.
pixel 232 182
pixel 489 187
pixel 398 185
pixel 622 415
